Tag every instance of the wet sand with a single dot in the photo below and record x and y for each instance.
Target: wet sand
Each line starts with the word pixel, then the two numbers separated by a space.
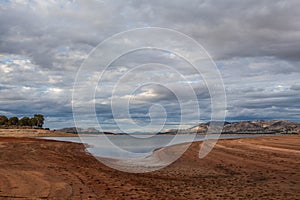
pixel 253 168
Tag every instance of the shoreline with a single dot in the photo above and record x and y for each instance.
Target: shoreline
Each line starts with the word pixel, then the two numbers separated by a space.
pixel 54 133
pixel 90 146
pixel 33 133
pixel 156 159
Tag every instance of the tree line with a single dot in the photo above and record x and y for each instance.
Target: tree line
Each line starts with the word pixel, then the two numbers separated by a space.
pixel 36 121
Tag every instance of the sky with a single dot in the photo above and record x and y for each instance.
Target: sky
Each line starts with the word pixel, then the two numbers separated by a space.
pixel 254 44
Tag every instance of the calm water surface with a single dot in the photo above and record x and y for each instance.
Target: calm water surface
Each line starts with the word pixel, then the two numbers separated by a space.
pixel 126 146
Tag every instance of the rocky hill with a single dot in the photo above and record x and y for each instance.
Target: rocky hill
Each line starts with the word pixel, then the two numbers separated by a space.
pixel 267 127
pixel 242 127
pixel 246 127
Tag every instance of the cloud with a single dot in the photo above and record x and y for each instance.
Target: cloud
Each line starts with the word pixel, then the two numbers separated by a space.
pixel 254 43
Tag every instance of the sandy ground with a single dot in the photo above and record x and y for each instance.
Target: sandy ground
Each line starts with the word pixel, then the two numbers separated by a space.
pixel 256 168
pixel 33 133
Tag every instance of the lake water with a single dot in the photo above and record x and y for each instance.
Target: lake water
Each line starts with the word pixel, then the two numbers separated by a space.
pixel 126 146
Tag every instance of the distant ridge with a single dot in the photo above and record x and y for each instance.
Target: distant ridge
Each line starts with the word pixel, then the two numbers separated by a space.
pixel 75 130
pixel 242 127
pixel 245 127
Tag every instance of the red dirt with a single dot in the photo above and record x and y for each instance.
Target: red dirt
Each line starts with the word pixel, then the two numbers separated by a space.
pixel 254 168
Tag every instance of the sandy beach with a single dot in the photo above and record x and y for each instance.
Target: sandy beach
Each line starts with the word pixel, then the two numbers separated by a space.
pixel 253 168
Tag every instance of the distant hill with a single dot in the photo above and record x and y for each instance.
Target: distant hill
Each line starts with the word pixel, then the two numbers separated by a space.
pixel 242 127
pixel 245 127
pixel 75 130
pixel 266 127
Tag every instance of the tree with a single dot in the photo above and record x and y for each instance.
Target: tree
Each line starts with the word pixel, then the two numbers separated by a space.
pixel 36 121
pixel 3 120
pixel 13 121
pixel 40 120
pixel 25 121
pixel 33 122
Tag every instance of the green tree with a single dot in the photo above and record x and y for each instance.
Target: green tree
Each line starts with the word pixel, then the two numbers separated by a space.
pixel 13 121
pixel 40 120
pixel 33 122
pixel 3 120
pixel 25 121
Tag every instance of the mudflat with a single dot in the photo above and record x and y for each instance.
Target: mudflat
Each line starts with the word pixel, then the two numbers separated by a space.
pixel 252 168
